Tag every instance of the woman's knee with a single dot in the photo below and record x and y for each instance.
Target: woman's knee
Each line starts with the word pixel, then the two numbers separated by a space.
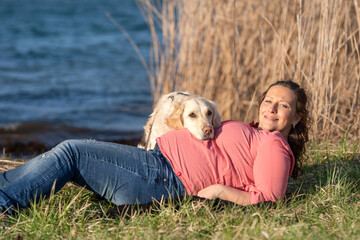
pixel 69 147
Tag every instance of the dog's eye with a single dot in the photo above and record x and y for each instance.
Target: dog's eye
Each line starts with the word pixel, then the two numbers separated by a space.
pixel 192 115
pixel 209 113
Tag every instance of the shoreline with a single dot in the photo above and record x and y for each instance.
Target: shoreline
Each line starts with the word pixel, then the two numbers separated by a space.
pixel 32 138
pixel 28 149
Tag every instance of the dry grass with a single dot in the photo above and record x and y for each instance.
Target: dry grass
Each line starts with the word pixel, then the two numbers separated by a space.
pixel 6 165
pixel 230 51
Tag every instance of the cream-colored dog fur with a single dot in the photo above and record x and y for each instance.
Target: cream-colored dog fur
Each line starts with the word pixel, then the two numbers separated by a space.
pixel 178 110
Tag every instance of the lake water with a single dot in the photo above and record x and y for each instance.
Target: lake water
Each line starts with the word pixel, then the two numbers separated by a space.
pixel 66 71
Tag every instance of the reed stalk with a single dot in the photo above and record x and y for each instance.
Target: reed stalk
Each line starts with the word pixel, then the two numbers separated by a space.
pixel 230 51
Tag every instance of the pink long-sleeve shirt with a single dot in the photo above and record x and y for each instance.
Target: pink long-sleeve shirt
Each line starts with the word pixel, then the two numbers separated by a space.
pixel 240 156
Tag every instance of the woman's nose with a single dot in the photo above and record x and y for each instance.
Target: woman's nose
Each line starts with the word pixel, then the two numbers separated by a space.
pixel 272 108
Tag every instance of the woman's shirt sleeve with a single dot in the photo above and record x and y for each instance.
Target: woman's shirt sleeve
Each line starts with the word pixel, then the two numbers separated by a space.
pixel 272 167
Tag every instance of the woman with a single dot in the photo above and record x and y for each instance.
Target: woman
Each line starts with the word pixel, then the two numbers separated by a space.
pixel 241 164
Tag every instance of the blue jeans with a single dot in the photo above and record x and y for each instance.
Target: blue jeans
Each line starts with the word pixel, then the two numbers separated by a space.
pixel 122 174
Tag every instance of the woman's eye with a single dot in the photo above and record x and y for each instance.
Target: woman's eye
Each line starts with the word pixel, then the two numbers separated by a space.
pixel 209 113
pixel 192 115
pixel 267 101
pixel 284 106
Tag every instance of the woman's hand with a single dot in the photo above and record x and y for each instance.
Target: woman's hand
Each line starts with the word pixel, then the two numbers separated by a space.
pixel 210 192
pixel 225 193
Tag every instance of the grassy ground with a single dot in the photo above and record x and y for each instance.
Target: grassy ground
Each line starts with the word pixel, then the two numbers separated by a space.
pixel 324 203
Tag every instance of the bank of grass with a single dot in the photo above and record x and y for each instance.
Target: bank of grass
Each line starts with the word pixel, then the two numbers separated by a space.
pixel 324 203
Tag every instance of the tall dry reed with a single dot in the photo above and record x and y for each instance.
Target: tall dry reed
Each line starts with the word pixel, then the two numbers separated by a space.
pixel 230 51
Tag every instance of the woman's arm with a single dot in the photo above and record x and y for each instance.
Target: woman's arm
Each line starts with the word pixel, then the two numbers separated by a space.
pixel 225 193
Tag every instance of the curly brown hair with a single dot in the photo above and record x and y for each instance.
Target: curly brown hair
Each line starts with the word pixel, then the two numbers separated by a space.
pixel 299 134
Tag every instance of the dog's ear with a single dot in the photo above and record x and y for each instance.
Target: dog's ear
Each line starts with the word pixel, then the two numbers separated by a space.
pixel 175 120
pixel 216 120
pixel 144 142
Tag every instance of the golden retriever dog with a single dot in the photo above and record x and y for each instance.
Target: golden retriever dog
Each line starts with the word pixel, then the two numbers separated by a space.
pixel 178 110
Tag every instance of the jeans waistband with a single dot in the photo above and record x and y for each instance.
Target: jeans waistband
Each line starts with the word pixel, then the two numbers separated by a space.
pixel 158 151
pixel 161 155
pixel 156 148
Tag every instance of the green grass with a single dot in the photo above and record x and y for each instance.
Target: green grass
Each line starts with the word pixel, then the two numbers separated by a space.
pixel 323 204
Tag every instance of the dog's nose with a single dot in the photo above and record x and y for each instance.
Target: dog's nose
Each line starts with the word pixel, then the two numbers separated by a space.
pixel 207 130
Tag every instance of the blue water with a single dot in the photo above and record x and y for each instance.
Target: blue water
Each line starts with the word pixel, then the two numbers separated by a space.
pixel 66 69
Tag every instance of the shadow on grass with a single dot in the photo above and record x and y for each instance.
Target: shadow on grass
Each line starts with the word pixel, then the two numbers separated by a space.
pixel 325 173
pixel 315 175
pixel 216 205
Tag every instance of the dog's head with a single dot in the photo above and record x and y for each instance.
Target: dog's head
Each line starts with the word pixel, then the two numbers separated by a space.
pixel 198 115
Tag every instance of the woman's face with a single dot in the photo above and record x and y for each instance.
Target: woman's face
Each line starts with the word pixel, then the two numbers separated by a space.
pixel 277 111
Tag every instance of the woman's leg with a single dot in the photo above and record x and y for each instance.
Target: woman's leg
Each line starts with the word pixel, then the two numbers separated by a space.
pixel 120 173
